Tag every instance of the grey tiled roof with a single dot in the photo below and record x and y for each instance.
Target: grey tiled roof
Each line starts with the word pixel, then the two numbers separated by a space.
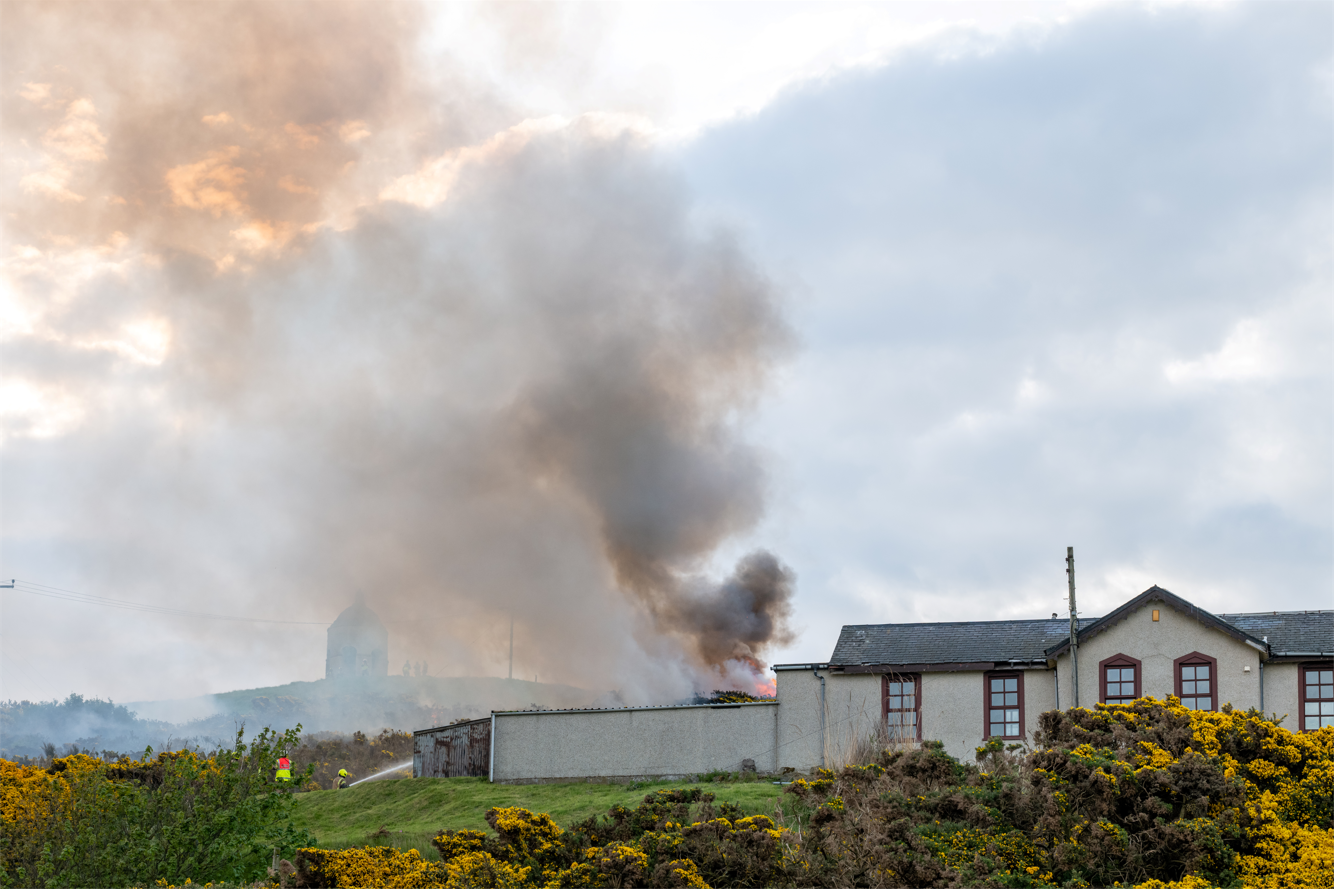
pixel 1307 631
pixel 975 642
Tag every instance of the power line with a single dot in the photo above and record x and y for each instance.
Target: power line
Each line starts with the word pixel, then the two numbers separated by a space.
pixel 62 594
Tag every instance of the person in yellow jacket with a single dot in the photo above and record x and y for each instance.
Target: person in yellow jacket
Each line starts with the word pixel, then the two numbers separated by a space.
pixel 344 779
pixel 284 773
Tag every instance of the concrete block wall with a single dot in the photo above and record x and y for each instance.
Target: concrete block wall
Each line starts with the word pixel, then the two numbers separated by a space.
pixel 633 743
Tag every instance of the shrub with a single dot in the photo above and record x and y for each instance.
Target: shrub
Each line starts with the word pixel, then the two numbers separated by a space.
pixel 85 822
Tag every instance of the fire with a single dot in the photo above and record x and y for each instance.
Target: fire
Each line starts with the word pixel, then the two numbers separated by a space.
pixel 766 687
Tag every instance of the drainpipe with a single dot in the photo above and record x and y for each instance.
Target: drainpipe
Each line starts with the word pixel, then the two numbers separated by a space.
pixel 1074 621
pixel 1262 681
pixel 822 714
pixel 1056 675
pixel 491 767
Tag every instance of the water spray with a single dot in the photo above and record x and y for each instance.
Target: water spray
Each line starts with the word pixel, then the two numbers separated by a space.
pixel 390 770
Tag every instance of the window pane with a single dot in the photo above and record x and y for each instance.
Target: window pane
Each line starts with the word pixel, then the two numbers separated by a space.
pixel 1313 692
pixel 1188 687
pixel 1201 671
pixel 1327 677
pixel 1327 707
pixel 1312 708
pixel 1011 699
pixel 1312 676
pixel 1187 673
pixel 1202 687
pixel 1128 674
pixel 908 703
pixel 1188 702
pixel 998 684
pixel 1011 684
pixel 1326 691
pixel 997 715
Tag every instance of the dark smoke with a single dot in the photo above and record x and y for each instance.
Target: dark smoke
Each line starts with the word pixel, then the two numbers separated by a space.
pixel 481 368
pixel 737 620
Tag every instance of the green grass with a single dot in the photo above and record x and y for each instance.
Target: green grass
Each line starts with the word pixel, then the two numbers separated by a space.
pixel 412 810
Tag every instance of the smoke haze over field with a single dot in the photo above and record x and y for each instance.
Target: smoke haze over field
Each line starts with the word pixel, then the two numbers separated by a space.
pixel 295 314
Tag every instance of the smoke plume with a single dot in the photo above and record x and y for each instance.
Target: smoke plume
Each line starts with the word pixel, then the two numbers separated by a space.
pixel 297 310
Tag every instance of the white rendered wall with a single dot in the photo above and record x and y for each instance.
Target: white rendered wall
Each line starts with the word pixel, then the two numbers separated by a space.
pixel 1281 694
pixel 1157 645
pixel 852 715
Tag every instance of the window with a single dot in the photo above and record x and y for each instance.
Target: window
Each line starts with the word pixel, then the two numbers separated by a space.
pixel 1197 680
pixel 902 704
pixel 1004 704
pixel 1317 695
pixel 1120 676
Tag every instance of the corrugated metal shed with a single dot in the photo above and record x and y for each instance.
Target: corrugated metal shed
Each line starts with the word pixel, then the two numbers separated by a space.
pixel 461 750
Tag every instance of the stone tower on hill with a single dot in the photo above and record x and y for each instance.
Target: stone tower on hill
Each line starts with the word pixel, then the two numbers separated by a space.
pixel 358 643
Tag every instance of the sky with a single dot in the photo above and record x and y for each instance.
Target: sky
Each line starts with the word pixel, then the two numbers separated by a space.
pixel 682 334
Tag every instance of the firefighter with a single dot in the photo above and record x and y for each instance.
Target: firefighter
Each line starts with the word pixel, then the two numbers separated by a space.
pixel 284 772
pixel 344 779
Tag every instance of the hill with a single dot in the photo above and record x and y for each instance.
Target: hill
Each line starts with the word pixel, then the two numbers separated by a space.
pixel 337 706
pixel 369 704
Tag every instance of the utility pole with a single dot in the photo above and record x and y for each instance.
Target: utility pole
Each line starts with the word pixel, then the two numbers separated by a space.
pixel 1074 620
pixel 511 648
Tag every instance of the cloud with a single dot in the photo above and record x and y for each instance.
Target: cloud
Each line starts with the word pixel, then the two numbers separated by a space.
pixel 1070 291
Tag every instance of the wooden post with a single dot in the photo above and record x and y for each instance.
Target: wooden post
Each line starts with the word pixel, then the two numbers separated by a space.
pixel 1074 620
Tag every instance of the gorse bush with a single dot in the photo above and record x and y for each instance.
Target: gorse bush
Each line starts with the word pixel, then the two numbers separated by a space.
pixel 85 822
pixel 1147 794
pixel 655 845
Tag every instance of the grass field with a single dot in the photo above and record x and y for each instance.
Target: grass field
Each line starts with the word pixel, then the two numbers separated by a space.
pixel 407 813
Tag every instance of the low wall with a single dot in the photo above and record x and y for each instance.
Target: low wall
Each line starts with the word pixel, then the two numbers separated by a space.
pixel 632 743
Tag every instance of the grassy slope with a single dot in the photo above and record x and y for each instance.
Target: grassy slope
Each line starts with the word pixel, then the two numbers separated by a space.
pixel 412 810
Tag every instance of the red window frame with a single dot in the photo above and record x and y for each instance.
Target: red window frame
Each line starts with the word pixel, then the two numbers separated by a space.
pixel 988 706
pixel 1195 659
pixel 891 703
pixel 1324 714
pixel 1119 661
